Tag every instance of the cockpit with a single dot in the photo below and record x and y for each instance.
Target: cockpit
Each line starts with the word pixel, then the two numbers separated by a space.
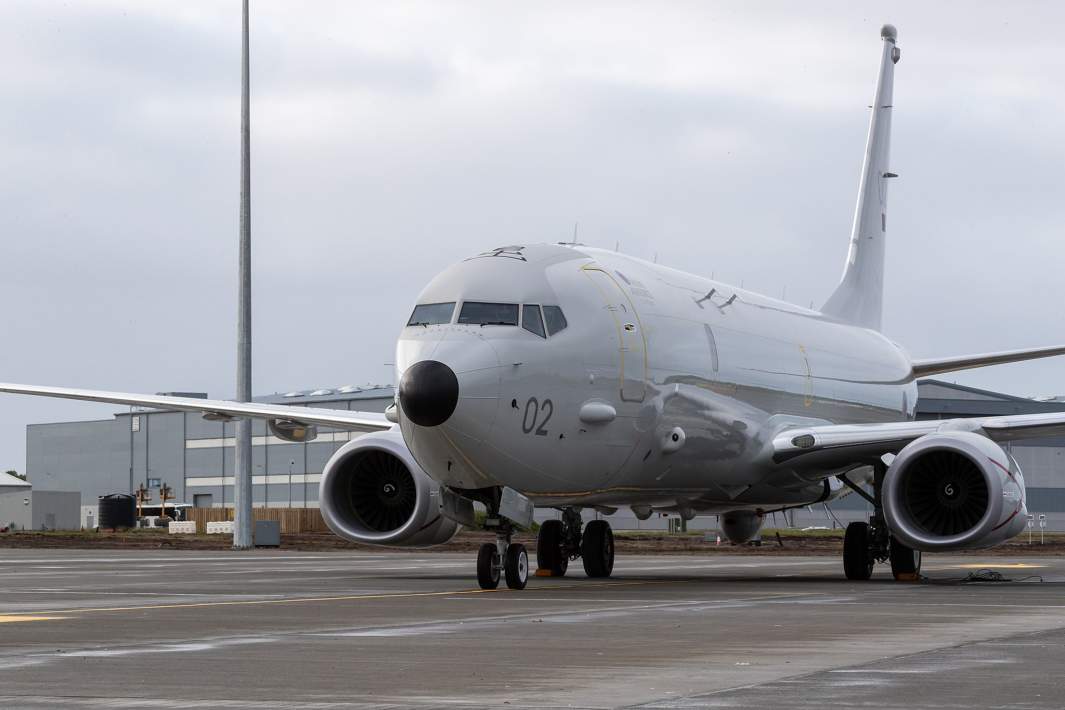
pixel 540 320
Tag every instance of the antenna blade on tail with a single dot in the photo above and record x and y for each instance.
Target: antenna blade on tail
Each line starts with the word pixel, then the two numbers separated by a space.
pixel 858 298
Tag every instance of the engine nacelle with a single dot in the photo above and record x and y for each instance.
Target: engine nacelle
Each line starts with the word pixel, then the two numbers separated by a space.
pixel 741 526
pixel 953 490
pixel 373 492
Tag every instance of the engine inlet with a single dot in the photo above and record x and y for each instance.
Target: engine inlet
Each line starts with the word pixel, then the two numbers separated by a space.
pixel 945 493
pixel 381 491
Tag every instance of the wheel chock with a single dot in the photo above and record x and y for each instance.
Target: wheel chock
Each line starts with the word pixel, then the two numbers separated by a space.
pixel 541 572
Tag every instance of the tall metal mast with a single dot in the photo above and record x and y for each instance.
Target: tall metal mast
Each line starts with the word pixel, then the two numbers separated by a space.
pixel 242 535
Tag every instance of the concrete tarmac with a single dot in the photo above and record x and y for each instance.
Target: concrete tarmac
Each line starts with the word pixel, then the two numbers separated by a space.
pixel 128 629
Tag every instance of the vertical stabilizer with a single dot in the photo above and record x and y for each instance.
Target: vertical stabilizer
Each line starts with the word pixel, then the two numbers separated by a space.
pixel 858 298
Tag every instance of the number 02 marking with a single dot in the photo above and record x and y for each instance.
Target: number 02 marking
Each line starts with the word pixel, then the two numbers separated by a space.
pixel 533 410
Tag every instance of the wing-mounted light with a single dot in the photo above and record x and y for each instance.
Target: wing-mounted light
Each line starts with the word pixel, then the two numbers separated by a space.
pixel 289 430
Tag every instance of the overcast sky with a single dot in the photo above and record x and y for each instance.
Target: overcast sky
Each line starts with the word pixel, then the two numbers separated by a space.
pixel 392 139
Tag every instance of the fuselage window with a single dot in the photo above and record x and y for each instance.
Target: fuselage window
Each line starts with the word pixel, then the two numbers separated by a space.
pixel 432 314
pixel 478 313
pixel 531 320
pixel 554 318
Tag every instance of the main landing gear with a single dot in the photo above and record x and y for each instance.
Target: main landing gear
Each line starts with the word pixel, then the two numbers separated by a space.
pixel 560 541
pixel 865 544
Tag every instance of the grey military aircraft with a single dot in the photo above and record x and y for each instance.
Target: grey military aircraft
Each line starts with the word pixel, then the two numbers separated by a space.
pixel 566 377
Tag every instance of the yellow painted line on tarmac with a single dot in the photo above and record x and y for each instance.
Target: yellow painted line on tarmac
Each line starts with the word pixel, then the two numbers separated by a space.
pixel 1007 565
pixel 349 597
pixel 12 618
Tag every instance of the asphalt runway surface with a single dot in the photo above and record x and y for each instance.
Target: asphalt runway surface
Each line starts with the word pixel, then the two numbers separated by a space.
pixel 130 629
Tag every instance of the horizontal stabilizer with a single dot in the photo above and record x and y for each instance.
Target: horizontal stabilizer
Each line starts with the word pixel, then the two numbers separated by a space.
pixel 936 366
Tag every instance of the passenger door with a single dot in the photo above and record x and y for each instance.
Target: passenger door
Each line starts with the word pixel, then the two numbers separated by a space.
pixel 632 347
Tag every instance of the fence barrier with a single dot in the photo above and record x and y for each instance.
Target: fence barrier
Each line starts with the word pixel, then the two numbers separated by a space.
pixel 292 520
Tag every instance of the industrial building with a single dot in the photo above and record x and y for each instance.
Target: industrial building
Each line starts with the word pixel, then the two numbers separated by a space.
pixel 194 456
pixel 22 508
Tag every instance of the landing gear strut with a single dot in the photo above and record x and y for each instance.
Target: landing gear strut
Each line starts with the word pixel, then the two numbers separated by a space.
pixel 865 544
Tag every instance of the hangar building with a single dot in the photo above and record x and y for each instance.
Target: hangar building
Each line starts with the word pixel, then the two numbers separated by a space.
pixel 195 456
pixel 190 454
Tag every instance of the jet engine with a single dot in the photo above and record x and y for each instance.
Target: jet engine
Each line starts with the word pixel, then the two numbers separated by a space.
pixel 954 490
pixel 373 492
pixel 740 526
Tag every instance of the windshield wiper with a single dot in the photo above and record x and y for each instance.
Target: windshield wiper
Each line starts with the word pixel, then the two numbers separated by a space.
pixel 497 322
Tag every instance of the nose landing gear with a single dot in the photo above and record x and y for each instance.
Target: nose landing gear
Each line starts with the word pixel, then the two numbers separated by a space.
pixel 503 559
pixel 504 556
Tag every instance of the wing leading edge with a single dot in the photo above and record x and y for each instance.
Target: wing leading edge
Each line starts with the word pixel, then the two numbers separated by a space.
pixel 838 446
pixel 937 366
pixel 340 419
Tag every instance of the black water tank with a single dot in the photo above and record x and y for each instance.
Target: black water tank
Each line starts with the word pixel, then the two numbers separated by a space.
pixel 117 511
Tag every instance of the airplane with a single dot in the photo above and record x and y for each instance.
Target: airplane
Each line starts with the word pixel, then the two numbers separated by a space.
pixel 567 377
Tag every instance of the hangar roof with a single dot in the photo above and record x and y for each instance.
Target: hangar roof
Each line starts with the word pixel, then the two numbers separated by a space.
pixel 9 481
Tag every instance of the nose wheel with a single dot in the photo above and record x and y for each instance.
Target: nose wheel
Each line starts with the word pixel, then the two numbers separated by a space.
pixel 516 566
pixel 503 559
pixel 512 566
pixel 487 567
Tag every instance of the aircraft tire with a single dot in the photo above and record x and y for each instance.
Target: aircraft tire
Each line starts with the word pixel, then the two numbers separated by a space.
pixel 516 567
pixel 597 549
pixel 549 554
pixel 857 559
pixel 905 562
pixel 487 572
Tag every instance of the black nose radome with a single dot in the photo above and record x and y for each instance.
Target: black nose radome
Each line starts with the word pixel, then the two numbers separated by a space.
pixel 428 392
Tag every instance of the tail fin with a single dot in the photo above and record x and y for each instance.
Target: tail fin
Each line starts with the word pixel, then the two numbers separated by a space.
pixel 859 296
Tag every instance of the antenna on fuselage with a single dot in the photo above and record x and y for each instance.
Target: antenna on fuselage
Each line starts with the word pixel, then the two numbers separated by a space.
pixel 575 225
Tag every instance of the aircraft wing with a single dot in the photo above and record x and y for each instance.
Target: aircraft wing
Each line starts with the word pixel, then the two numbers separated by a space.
pixel 338 418
pixel 937 366
pixel 832 447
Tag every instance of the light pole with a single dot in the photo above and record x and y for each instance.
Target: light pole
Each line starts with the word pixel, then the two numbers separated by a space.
pixel 291 463
pixel 242 454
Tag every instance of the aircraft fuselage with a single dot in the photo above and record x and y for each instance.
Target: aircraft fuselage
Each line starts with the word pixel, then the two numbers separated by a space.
pixel 663 388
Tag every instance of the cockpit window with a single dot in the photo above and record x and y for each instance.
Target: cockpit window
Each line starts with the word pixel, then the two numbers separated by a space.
pixel 531 320
pixel 554 318
pixel 432 314
pixel 477 313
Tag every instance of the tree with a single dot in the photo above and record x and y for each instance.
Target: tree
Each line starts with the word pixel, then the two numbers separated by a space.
pixel 16 474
